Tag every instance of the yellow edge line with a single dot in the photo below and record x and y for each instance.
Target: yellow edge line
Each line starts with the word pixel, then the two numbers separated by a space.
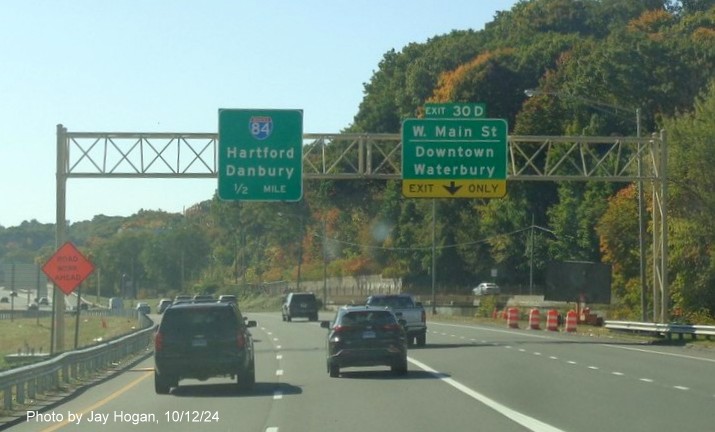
pixel 101 402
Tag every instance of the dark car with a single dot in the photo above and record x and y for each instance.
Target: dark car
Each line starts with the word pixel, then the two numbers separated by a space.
pixel 228 298
pixel 300 305
pixel 365 336
pixel 163 304
pixel 204 298
pixel 143 308
pixel 183 298
pixel 202 341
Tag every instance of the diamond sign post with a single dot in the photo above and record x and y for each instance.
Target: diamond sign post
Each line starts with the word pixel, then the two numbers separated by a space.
pixel 67 268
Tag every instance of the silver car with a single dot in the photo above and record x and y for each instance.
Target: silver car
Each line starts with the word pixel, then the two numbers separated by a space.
pixel 486 288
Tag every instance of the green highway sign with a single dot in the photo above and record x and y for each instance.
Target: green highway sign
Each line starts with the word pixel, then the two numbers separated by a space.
pixel 455 110
pixel 454 158
pixel 260 155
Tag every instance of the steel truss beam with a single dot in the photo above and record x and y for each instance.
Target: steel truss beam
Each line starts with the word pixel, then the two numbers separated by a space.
pixel 375 156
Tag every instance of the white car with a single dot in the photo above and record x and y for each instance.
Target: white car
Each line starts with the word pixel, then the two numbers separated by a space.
pixel 486 288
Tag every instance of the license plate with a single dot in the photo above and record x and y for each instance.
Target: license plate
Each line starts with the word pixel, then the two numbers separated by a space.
pixel 368 335
pixel 198 343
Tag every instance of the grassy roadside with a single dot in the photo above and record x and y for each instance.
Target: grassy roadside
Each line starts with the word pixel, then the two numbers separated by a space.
pixel 23 335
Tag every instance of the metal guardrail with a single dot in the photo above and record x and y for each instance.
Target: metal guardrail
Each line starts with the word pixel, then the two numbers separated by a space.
pixel 6 315
pixel 667 330
pixel 25 383
pixel 22 313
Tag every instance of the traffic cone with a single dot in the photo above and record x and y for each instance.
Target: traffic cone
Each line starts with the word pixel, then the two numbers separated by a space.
pixel 534 319
pixel 552 320
pixel 512 318
pixel 571 321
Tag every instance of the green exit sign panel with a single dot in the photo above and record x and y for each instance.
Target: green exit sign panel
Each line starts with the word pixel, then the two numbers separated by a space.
pixel 455 110
pixel 260 155
pixel 453 149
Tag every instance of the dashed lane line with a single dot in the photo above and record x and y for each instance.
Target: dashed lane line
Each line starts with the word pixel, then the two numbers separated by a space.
pixel 528 422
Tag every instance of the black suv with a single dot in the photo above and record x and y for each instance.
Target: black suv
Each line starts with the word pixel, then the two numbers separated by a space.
pixel 366 336
pixel 203 340
pixel 300 305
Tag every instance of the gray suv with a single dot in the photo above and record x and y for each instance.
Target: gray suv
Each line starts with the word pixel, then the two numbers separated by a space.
pixel 300 305
pixel 200 341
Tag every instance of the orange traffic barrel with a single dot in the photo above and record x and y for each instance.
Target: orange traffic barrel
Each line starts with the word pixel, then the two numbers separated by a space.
pixel 571 321
pixel 512 318
pixel 552 320
pixel 534 319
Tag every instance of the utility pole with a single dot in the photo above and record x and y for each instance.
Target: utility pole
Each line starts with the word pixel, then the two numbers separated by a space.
pixel 531 259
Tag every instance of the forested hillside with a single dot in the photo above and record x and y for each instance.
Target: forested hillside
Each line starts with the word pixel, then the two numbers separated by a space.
pixel 591 64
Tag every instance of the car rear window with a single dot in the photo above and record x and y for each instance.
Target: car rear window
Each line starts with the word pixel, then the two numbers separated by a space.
pixel 367 318
pixel 303 298
pixel 199 320
pixel 392 302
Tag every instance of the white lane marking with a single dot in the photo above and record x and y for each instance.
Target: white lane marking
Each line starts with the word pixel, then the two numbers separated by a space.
pixel 279 357
pixel 593 367
pixel 277 395
pixel 617 373
pixel 278 347
pixel 537 353
pixel 279 372
pixel 571 362
pixel 553 357
pixel 681 388
pixel 272 429
pixel 648 351
pixel 275 339
pixel 528 422
pixel 648 380
pixel 493 329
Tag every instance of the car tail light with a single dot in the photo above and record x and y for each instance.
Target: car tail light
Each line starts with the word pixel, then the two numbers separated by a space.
pixel 158 341
pixel 240 340
pixel 337 331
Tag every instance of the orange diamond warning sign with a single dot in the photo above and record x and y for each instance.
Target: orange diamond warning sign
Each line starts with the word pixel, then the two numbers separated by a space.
pixel 67 268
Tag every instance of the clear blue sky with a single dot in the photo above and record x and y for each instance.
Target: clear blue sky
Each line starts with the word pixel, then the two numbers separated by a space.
pixel 168 66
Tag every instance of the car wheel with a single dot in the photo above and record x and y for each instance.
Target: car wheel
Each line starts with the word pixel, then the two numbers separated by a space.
pixel 161 385
pixel 247 379
pixel 314 317
pixel 400 368
pixel 421 339
pixel 334 370
pixel 288 318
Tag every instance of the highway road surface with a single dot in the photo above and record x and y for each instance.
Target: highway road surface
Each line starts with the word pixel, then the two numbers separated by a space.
pixel 468 377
